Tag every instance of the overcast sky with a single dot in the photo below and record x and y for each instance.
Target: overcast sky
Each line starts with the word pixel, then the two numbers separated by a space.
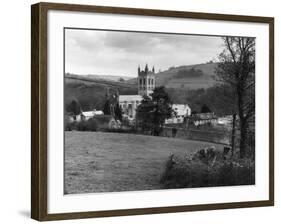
pixel 120 53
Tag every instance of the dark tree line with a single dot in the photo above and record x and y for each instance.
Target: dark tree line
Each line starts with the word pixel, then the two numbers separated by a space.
pixel 73 107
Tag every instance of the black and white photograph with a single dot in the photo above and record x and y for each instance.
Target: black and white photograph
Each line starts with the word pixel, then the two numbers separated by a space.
pixel 157 111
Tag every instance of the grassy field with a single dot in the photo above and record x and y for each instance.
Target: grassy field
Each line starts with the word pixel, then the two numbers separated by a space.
pixel 107 162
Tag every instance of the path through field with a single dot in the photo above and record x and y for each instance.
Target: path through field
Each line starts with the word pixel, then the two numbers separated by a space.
pixel 107 162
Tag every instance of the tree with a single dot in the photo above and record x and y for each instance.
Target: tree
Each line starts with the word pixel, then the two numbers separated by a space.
pixel 236 69
pixel 205 109
pixel 153 111
pixel 74 107
pixel 118 112
pixel 106 108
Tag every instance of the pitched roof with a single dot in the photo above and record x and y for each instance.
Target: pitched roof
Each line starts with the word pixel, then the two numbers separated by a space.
pixel 88 113
pixel 92 113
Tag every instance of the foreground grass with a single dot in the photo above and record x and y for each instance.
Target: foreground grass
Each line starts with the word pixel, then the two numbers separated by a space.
pixel 108 162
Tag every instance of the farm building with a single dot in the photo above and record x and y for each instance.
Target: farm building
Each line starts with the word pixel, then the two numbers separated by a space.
pixel 202 119
pixel 84 115
pixel 182 111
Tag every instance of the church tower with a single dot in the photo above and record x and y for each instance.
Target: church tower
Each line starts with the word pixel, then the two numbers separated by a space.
pixel 146 81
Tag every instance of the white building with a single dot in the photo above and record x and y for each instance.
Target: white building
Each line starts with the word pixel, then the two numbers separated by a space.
pixel 182 111
pixel 84 115
pixel 226 120
pixel 202 119
pixel 129 104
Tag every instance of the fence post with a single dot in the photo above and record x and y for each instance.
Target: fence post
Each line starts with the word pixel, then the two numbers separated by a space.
pixel 233 134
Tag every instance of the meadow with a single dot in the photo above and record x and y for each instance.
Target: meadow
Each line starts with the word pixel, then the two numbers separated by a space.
pixel 112 162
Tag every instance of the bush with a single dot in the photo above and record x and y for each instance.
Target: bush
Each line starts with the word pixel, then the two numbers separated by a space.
pixel 207 168
pixel 89 125
pixel 69 126
pixel 81 126
pixel 126 129
pixel 92 125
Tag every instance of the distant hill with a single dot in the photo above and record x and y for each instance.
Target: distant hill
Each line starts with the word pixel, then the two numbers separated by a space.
pixel 72 78
pixel 171 78
pixel 109 77
pixel 90 93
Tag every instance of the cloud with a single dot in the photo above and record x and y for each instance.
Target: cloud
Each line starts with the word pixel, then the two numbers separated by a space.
pixel 119 53
pixel 129 42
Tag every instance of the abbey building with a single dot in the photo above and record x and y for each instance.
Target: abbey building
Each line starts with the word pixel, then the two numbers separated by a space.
pixel 146 85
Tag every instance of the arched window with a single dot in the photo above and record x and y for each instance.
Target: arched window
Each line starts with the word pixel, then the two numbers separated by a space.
pixel 144 81
pixel 140 81
pixel 151 81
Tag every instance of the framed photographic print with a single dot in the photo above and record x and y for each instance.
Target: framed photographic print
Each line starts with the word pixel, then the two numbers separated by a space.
pixel 140 111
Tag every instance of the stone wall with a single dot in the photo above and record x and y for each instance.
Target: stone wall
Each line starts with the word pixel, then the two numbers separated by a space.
pixel 221 137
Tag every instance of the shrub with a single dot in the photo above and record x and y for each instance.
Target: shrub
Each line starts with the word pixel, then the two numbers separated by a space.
pixel 69 126
pixel 239 172
pixel 81 126
pixel 89 125
pixel 131 130
pixel 92 125
pixel 207 168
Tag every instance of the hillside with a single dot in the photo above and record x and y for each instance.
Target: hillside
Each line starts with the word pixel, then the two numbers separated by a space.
pixel 108 77
pixel 169 79
pixel 90 93
pixel 89 79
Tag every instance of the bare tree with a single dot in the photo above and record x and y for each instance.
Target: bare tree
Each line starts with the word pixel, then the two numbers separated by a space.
pixel 237 69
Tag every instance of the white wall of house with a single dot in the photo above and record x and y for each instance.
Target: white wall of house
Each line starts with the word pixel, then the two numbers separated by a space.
pixel 182 111
pixel 129 104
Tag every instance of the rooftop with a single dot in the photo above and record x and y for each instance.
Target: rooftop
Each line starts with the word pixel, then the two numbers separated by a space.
pixel 92 113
